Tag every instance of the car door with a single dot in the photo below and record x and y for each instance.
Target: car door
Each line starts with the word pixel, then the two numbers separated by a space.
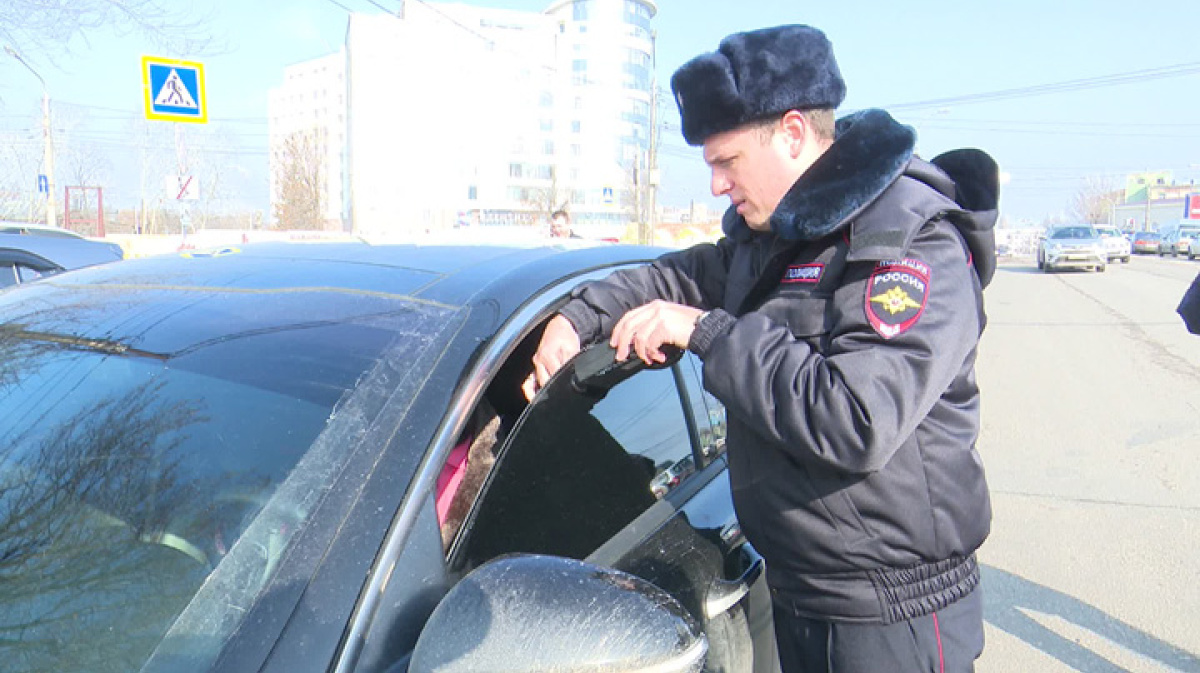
pixel 623 468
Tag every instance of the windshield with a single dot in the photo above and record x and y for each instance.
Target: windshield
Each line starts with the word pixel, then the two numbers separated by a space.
pixel 1073 233
pixel 135 471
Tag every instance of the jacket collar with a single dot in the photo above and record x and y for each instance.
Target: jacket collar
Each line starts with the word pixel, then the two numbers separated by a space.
pixel 870 152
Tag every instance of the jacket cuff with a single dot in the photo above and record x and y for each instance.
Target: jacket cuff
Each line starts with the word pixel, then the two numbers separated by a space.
pixel 583 319
pixel 716 323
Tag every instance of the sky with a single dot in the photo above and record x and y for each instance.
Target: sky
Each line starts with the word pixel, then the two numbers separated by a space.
pixel 1083 90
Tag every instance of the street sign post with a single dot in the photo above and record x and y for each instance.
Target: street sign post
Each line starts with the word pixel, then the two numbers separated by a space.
pixel 183 187
pixel 174 90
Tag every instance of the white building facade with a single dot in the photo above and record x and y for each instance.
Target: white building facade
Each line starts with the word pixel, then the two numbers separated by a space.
pixel 464 115
pixel 311 104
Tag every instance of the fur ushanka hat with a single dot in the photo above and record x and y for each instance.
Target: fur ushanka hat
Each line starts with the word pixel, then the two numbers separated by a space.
pixel 756 75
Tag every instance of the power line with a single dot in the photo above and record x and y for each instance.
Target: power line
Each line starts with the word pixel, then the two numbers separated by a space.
pixel 1055 87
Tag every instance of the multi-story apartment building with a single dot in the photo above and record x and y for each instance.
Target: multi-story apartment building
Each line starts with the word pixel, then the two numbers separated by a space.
pixel 307 131
pixel 459 114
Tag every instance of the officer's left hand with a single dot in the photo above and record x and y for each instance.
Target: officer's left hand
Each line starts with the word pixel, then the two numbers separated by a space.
pixel 645 329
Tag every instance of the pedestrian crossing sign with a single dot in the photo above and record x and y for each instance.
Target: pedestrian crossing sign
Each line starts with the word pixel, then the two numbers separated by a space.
pixel 174 90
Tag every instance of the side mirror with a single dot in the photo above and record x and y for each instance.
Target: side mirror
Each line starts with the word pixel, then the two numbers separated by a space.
pixel 545 613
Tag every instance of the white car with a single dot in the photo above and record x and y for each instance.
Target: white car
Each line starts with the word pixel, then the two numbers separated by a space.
pixel 1075 246
pixel 1116 246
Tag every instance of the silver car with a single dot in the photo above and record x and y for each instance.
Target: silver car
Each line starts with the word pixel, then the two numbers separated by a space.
pixel 1076 245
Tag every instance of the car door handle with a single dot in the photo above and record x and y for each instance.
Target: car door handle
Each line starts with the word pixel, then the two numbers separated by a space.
pixel 724 594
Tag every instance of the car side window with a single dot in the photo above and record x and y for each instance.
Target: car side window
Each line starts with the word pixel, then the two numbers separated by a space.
pixel 27 274
pixel 578 467
pixel 708 410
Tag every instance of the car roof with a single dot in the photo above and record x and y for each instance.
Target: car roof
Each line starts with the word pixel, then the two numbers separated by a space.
pixel 172 302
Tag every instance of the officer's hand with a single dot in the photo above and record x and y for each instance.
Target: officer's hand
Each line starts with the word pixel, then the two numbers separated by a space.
pixel 560 342
pixel 645 329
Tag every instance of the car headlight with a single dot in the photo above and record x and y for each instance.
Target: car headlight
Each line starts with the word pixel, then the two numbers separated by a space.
pixel 1054 247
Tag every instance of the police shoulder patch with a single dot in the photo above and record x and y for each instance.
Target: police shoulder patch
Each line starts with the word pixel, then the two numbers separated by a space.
pixel 897 292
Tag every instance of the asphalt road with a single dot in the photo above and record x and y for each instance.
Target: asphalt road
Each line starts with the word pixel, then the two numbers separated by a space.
pixel 1091 441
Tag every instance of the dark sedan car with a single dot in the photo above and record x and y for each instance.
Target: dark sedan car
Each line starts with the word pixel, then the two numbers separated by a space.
pixel 28 253
pixel 1145 242
pixel 317 458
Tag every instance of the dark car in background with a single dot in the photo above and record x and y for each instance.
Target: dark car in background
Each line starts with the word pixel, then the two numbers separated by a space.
pixel 242 461
pixel 29 252
pixel 1145 242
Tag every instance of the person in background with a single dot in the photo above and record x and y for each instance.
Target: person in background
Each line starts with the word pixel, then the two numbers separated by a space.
pixel 560 225
pixel 838 321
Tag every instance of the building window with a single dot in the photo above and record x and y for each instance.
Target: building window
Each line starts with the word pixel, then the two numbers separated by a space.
pixel 581 10
pixel 547 125
pixel 637 14
pixel 548 147
pixel 546 99
pixel 514 170
pixel 576 126
pixel 472 193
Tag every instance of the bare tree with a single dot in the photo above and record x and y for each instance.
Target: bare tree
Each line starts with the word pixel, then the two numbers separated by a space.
pixel 1095 200
pixel 20 155
pixel 548 198
pixel 299 173
pixel 44 28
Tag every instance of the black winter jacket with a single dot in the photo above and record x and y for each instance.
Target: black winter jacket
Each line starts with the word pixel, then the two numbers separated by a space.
pixel 843 346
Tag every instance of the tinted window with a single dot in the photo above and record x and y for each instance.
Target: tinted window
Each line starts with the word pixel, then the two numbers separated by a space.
pixel 579 467
pixel 706 409
pixel 27 274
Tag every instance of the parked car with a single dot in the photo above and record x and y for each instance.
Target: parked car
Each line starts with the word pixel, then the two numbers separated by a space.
pixel 25 256
pixel 1193 247
pixel 1177 241
pixel 233 461
pixel 1115 245
pixel 35 229
pixel 1077 245
pixel 1146 242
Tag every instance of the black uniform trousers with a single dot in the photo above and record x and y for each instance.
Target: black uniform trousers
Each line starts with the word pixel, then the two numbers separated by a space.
pixel 947 641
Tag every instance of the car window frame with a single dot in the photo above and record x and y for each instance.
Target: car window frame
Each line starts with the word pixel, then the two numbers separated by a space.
pixel 533 313
pixel 563 382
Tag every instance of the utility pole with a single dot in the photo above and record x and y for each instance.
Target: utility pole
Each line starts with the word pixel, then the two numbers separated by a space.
pixel 1146 224
pixel 47 140
pixel 652 156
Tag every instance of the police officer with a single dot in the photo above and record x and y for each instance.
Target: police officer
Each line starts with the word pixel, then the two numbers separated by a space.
pixel 837 320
